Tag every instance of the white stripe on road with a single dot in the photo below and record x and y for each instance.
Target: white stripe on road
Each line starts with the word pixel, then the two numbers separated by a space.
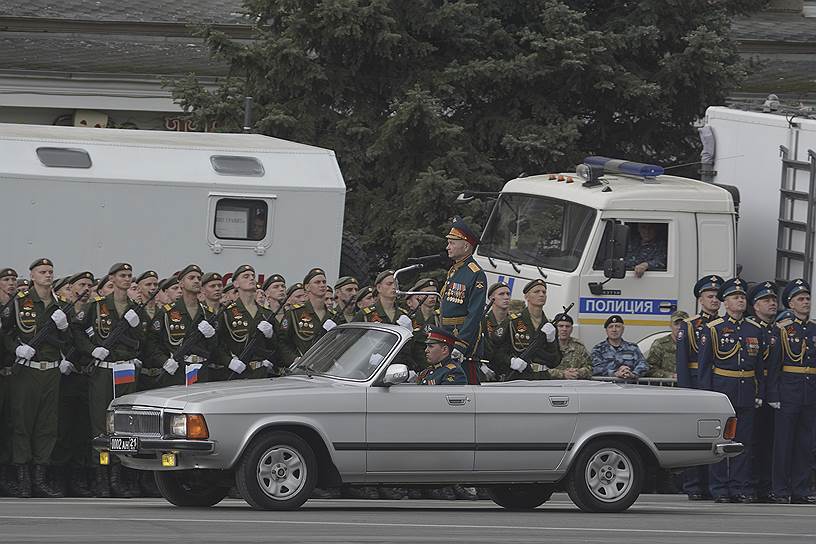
pixel 414 526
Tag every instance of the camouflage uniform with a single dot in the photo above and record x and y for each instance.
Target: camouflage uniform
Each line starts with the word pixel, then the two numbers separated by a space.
pixel 573 355
pixel 606 358
pixel 662 358
pixel 654 253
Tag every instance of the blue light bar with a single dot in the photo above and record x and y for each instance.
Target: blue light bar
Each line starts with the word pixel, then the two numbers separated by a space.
pixel 618 166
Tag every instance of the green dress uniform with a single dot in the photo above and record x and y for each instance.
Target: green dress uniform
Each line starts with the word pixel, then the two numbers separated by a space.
pixel 171 327
pixel 442 373
pixel 236 328
pixel 494 336
pixel 149 374
pixel 7 486
pixel 573 355
pixel 301 328
pixel 662 358
pixel 377 314
pixel 421 326
pixel 462 305
pixel 520 333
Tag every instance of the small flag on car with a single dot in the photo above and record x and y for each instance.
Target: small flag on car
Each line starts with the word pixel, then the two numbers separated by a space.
pixel 191 371
pixel 124 373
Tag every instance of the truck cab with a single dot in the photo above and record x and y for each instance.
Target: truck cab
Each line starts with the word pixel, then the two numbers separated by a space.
pixel 578 232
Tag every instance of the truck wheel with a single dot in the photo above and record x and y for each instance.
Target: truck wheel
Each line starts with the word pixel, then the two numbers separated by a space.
pixel 353 259
pixel 277 472
pixel 196 488
pixel 520 496
pixel 607 476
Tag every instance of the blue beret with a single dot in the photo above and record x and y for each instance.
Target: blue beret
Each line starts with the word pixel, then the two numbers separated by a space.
pixel 793 288
pixel 731 287
pixel 708 283
pixel 761 290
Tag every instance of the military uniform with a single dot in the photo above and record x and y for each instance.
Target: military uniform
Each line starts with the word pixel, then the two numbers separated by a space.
pixel 238 327
pixel 662 357
pixel 301 328
pixel 8 477
pixel 573 355
pixel 654 253
pixel 606 358
pixel 731 355
pixel 421 325
pixel 792 384
pixel 444 372
pixel 518 335
pixel 377 314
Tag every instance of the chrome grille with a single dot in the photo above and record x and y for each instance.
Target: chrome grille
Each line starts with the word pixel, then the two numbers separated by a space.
pixel 138 422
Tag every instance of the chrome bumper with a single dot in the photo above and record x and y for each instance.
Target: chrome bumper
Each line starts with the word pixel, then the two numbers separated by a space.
pixel 730 449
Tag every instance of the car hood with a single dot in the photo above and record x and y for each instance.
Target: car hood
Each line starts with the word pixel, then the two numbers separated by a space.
pixel 179 396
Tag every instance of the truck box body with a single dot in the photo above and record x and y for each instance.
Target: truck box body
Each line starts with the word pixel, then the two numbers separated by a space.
pixel 155 199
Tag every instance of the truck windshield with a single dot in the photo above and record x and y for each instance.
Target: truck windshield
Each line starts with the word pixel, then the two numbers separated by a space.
pixel 537 230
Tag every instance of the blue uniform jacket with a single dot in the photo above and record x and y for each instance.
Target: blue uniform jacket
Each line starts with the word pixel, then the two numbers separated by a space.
pixel 792 363
pixel 606 358
pixel 463 302
pixel 688 347
pixel 731 359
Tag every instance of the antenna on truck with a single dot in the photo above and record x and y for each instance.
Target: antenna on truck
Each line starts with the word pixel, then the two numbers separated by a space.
pixel 247 114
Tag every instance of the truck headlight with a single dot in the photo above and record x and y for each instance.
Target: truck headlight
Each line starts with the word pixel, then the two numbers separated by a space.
pixel 190 426
pixel 109 421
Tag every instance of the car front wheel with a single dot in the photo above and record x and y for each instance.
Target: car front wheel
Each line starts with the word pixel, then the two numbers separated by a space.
pixel 607 476
pixel 277 472
pixel 521 496
pixel 191 488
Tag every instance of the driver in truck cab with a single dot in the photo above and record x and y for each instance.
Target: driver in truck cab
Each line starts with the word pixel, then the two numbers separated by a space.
pixel 648 250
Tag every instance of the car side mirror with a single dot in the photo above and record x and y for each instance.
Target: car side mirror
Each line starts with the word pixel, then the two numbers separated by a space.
pixel 395 373
pixel 614 268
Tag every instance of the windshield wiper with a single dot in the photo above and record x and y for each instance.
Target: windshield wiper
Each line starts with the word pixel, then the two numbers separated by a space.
pixel 505 255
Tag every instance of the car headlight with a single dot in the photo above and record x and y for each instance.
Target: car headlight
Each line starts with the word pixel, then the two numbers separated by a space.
pixel 109 421
pixel 190 426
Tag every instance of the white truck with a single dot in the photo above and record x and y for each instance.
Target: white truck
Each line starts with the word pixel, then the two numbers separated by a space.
pixel 87 198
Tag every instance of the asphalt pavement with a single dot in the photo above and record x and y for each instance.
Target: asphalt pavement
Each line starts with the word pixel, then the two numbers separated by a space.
pixel 653 519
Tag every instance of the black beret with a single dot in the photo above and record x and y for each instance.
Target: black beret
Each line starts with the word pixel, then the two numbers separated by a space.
pixel 382 275
pixel 362 293
pixel 345 280
pixel 424 284
pixel 312 274
pixel 23 282
pixel 166 283
pixel 498 285
pixel 274 278
pixel 211 276
pixel 292 288
pixel 228 287
pixel 241 269
pixel 188 269
pixel 118 267
pixel 60 283
pixel 534 283
pixel 6 272
pixel 81 276
pixel 40 262
pixel 613 319
pixel 147 274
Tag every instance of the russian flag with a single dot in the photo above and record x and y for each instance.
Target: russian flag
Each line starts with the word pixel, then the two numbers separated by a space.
pixel 124 373
pixel 191 371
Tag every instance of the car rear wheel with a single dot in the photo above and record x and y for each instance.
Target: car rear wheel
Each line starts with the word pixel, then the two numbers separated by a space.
pixel 191 488
pixel 277 472
pixel 521 496
pixel 607 476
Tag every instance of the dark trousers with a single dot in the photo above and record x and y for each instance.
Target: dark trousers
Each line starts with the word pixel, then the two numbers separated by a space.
pixel 74 426
pixel 793 450
pixel 695 479
pixel 5 420
pixel 732 477
pixel 100 394
pixel 34 402
pixel 762 447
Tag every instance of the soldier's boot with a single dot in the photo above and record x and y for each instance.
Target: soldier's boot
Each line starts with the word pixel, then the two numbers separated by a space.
pixel 435 493
pixel 77 484
pixel 102 487
pixel 8 482
pixel 57 478
pixel 23 481
pixel 131 479
pixel 391 493
pixel 42 488
pixel 118 488
pixel 414 493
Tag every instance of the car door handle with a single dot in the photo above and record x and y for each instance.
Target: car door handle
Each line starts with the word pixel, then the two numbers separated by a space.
pixel 559 402
pixel 457 400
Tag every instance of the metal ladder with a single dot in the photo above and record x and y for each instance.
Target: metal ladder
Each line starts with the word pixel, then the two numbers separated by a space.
pixel 797 218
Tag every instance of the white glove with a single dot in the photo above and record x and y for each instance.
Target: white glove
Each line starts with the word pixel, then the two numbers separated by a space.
pixel 489 374
pixel 406 322
pixel 757 403
pixel 237 365
pixel 457 356
pixel 60 319
pixel 329 325
pixel 412 376
pixel 100 353
pixel 206 329
pixel 171 366
pixel 549 331
pixel 132 319
pixel 375 359
pixel 66 367
pixel 775 405
pixel 266 363
pixel 137 363
pixel 24 351
pixel 518 364
pixel 266 329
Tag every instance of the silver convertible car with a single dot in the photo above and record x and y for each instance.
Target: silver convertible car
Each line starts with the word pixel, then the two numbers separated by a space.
pixel 345 415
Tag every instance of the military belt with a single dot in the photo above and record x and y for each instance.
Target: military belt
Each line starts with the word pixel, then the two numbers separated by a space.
pixel 153 372
pixel 799 369
pixel 694 366
pixel 109 364
pixel 453 320
pixel 42 365
pixel 194 359
pixel 734 373
pixel 216 367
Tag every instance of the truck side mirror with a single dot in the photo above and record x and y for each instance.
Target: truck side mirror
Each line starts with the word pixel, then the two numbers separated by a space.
pixel 614 268
pixel 618 242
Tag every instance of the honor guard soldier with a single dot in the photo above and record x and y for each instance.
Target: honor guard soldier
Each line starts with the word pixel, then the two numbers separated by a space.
pixel 791 391
pixel 345 290
pixel 464 292
pixel 695 479
pixel 295 294
pixel 307 322
pixel 275 288
pixel 576 364
pixel 169 291
pixel 104 317
pixel 146 284
pixel 212 285
pixel 184 323
pixel 763 302
pixel 8 476
pixel 72 452
pixel 423 317
pixel 494 327
pixel 243 322
pixel 385 309
pixel 228 294
pixel 441 370
pixel 364 297
pixel 515 360
pixel 732 349
pixel 37 333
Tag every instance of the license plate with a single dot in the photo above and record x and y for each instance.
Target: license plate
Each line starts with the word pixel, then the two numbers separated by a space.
pixel 127 443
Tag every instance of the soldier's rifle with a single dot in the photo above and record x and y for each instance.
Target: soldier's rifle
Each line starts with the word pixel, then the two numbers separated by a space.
pixel 121 326
pixel 182 351
pixel 541 337
pixel 250 345
pixel 67 308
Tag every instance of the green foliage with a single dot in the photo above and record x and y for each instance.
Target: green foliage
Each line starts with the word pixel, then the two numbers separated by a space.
pixel 422 99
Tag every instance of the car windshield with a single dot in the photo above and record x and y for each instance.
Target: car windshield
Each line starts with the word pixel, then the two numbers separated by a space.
pixel 537 230
pixel 348 352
